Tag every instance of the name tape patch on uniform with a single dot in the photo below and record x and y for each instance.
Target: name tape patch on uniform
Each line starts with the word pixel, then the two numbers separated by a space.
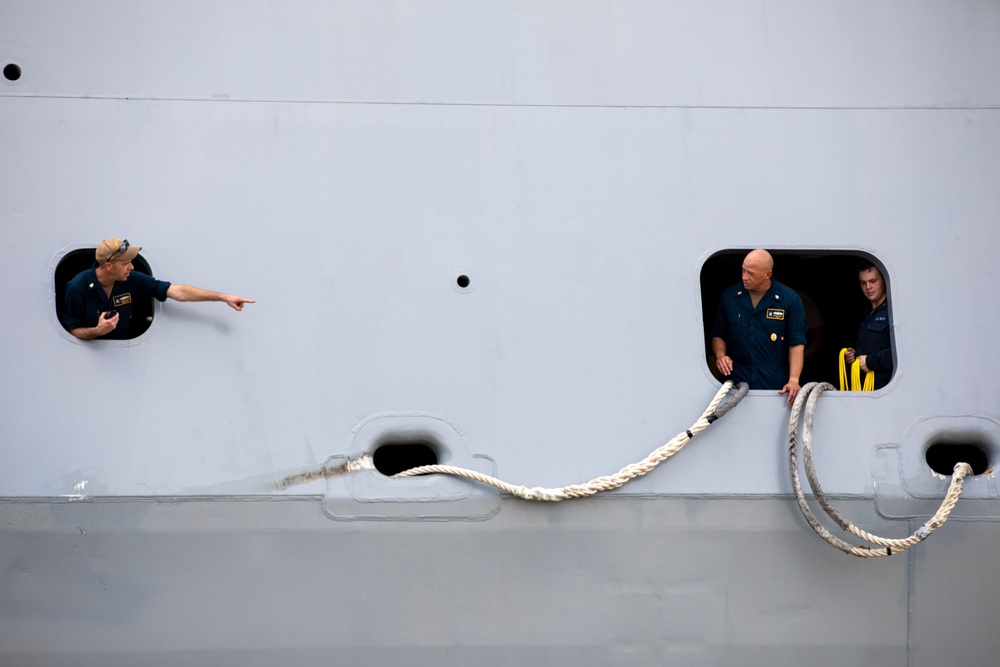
pixel 122 299
pixel 775 313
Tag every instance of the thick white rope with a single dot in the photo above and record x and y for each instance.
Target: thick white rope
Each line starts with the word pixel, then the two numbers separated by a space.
pixel 890 546
pixel 608 482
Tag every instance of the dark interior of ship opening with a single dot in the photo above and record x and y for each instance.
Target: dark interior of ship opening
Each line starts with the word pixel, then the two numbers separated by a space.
pixel 941 457
pixel 394 457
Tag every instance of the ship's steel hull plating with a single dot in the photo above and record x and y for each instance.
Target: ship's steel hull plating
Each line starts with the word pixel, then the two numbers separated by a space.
pixel 491 232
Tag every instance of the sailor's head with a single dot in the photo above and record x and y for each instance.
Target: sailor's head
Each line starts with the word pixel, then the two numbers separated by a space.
pixel 116 250
pixel 872 283
pixel 114 256
pixel 757 269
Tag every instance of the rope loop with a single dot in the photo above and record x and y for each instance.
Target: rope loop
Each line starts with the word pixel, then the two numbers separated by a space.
pixel 809 395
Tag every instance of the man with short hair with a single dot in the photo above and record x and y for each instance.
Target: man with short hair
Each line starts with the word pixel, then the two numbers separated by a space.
pixel 874 346
pixel 759 335
pixel 99 300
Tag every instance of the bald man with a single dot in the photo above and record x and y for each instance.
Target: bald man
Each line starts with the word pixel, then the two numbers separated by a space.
pixel 759 335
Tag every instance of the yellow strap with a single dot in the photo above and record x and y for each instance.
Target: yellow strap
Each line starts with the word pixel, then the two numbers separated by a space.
pixel 844 385
pixel 855 379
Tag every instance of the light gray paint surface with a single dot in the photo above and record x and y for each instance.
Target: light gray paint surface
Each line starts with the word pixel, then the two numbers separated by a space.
pixel 343 163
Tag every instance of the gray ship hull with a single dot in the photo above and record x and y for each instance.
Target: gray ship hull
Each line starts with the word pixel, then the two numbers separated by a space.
pixel 493 234
pixel 607 580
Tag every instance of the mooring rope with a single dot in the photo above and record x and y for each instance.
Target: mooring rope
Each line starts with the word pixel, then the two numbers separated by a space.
pixel 726 398
pixel 809 395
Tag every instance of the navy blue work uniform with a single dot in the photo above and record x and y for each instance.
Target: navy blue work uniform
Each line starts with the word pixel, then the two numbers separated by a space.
pixel 86 300
pixel 874 341
pixel 757 339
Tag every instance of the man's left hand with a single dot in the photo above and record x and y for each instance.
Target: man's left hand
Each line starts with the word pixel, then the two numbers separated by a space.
pixel 792 389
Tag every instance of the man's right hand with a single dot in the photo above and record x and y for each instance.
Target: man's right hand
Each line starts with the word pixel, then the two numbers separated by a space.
pixel 106 325
pixel 724 364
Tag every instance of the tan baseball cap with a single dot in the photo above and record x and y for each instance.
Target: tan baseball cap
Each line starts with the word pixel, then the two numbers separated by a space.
pixel 116 250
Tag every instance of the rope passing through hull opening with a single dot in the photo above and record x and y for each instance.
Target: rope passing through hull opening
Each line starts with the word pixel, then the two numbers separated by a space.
pixel 808 396
pixel 725 400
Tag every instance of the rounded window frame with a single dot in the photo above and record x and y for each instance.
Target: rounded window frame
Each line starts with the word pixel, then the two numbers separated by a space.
pixel 80 258
pixel 838 299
